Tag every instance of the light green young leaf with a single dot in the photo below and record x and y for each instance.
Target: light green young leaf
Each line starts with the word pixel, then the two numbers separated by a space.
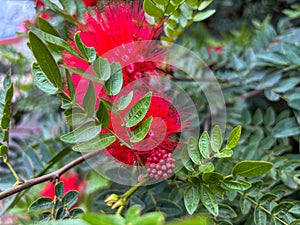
pixel 203 15
pixel 234 137
pixel 152 10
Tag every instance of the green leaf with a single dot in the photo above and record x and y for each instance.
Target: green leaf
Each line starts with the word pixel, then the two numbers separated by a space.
pixel 124 101
pixel 234 137
pixel 45 60
pixel 102 68
pixel 282 208
pixel 70 199
pixel 249 168
pixel 100 142
pixel 89 52
pixel 245 205
pixel 286 127
pixel 203 15
pixel 209 200
pixel 114 84
pixel 260 217
pixel 59 190
pixel 204 4
pixel 295 222
pixel 70 85
pixel 41 80
pixel 212 177
pixel 152 10
pixel 55 40
pixel 154 218
pixel 89 99
pixel 3 150
pixel 267 198
pixel 76 212
pixel 41 204
pixel 68 6
pixel 83 133
pixel 225 153
pixel 258 117
pixel 140 132
pixel 137 113
pixel 191 199
pixel 216 138
pixel 186 160
pixel 103 219
pixel 84 74
pixel 193 151
pixel 132 213
pixel 235 185
pixel 75 116
pixel 103 114
pixel 45 26
pixel 204 144
pixel 269 117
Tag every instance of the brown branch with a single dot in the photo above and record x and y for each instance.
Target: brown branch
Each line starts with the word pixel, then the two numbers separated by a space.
pixel 249 94
pixel 51 176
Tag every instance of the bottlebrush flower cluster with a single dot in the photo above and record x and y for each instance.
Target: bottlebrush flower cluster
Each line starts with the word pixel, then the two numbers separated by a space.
pixel 109 30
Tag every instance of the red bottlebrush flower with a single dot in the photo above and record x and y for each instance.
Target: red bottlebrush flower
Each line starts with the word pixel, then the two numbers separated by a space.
pixel 88 3
pixel 159 141
pixel 39 3
pixel 71 182
pixel 118 24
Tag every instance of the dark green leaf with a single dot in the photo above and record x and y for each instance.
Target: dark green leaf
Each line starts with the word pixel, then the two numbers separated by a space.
pixel 191 199
pixel 85 132
pixel 209 200
pixel 102 68
pixel 204 145
pixel 249 168
pixel 286 127
pixel 269 117
pixel 140 132
pixel 103 114
pixel 55 40
pixel 3 150
pixel 61 213
pixel 235 185
pixel 193 151
pixel 212 177
pixel 45 26
pixel 137 113
pixel 89 52
pixel 45 60
pixel 234 137
pixel 89 99
pixel 100 142
pixel 70 86
pixel 260 217
pixel 59 190
pixel 70 199
pixel 216 138
pixel 282 208
pixel 41 204
pixel 267 198
pixel 76 212
pixel 41 80
pixel 114 84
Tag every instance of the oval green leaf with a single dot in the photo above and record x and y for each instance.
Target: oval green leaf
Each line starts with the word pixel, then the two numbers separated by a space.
pixel 250 168
pixel 140 132
pixel 100 142
pixel 193 151
pixel 191 199
pixel 234 137
pixel 203 145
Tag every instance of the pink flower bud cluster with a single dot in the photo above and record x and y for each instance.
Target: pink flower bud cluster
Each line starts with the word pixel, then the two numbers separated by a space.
pixel 160 165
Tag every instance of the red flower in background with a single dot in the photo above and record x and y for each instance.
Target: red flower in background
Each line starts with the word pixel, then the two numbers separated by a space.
pixel 88 3
pixel 71 182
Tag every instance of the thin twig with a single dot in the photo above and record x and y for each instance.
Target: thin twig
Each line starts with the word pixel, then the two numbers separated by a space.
pixel 51 176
